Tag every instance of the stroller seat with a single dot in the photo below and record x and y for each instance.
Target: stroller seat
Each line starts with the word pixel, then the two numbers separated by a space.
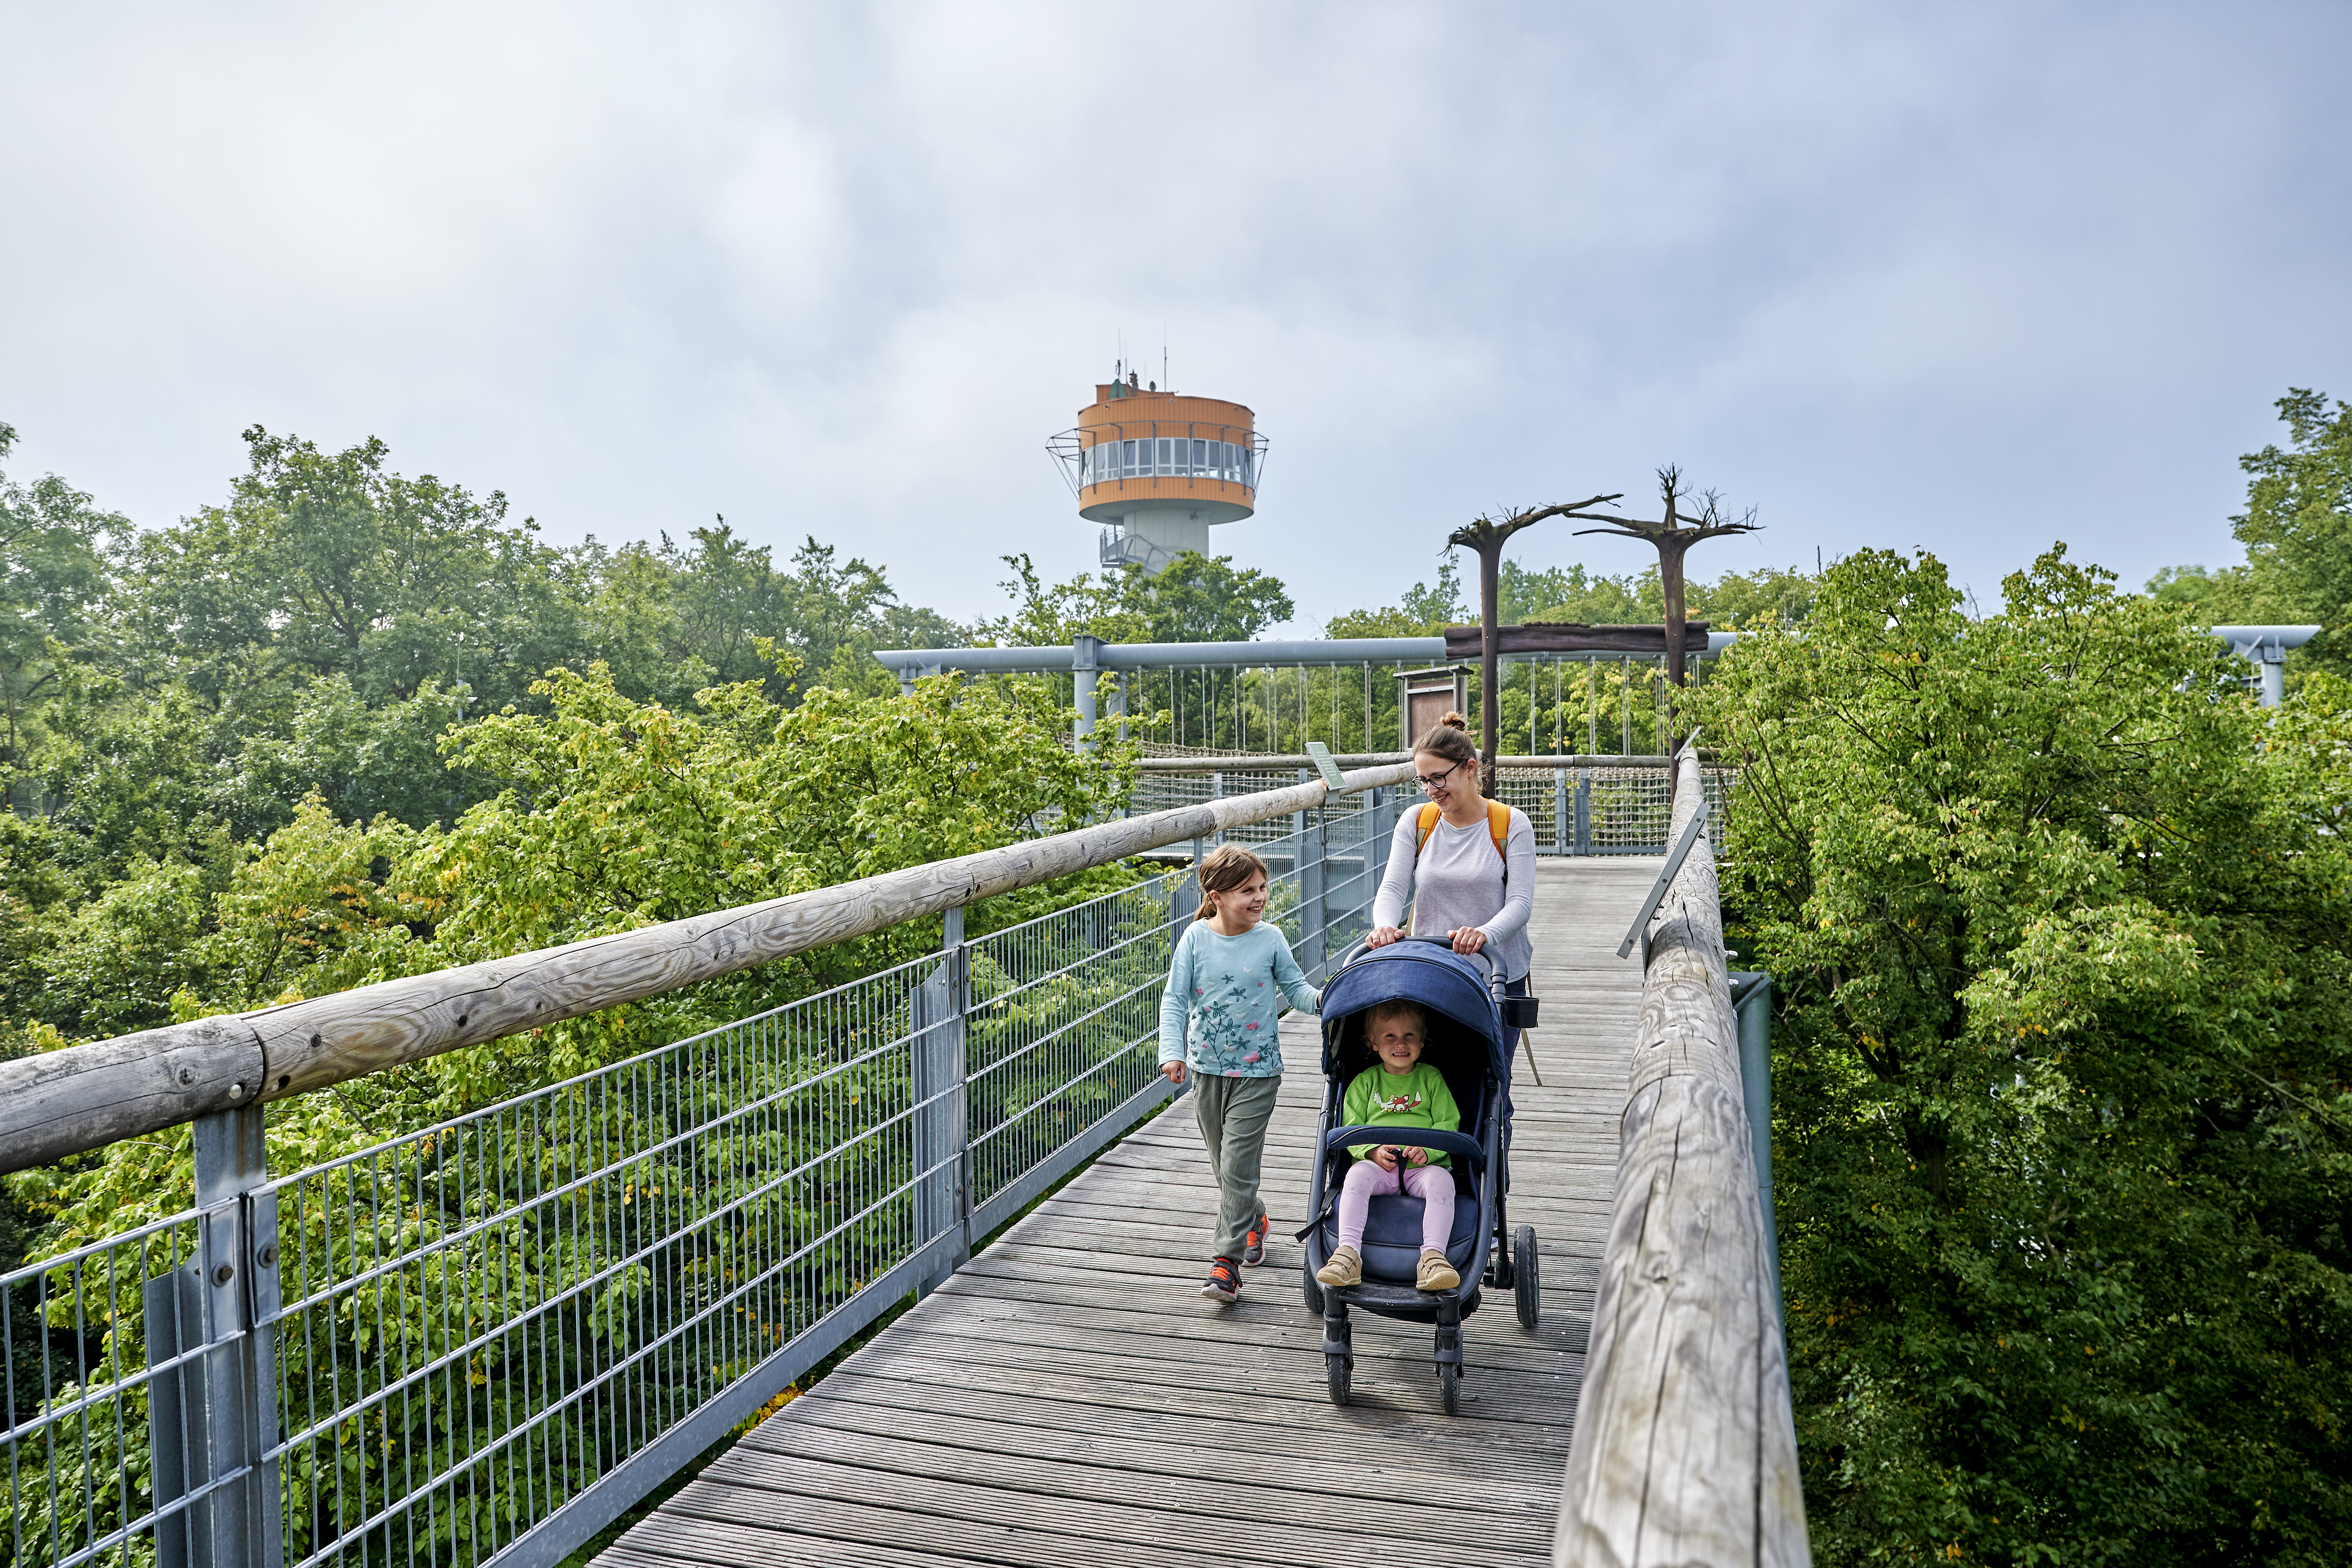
pixel 1392 1236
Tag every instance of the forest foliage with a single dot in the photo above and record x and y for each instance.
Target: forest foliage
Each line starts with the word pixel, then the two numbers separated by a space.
pixel 2061 926
pixel 350 724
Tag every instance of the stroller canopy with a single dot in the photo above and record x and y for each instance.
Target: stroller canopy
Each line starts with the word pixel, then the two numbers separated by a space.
pixel 1429 974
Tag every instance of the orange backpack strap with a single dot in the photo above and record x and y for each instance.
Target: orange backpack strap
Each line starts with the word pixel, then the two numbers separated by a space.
pixel 1498 828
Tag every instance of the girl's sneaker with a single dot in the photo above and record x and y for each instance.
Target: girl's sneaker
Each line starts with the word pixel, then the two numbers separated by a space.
pixel 1224 1281
pixel 1254 1241
pixel 1436 1273
pixel 1346 1268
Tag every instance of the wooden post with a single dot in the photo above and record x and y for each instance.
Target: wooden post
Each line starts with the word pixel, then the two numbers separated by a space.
pixel 1685 1450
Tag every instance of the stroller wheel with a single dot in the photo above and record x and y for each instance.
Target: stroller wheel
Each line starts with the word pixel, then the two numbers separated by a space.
pixel 1314 1291
pixel 1337 1370
pixel 1526 1284
pixel 1449 1386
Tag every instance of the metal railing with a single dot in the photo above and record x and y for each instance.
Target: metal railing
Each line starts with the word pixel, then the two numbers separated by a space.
pixel 481 1341
pixel 1344 692
pixel 1621 809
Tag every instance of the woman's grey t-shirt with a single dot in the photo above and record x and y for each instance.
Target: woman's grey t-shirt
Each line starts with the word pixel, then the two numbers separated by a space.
pixel 1458 881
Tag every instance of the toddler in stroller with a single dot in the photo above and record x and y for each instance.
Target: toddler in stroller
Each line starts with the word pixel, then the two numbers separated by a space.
pixel 1399 1090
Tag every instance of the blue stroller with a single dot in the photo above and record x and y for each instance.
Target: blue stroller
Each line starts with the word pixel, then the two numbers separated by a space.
pixel 1467 1011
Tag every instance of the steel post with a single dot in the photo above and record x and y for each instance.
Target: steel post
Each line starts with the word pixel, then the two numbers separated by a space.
pixel 1310 836
pixel 227 1418
pixel 1751 1000
pixel 941 1129
pixel 1084 653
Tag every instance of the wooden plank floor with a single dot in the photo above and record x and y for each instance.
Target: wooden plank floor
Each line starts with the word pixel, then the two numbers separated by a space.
pixel 1069 1398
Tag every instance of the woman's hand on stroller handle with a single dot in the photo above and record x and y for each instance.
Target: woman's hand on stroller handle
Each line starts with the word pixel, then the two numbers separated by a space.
pixel 1468 939
pixel 1383 935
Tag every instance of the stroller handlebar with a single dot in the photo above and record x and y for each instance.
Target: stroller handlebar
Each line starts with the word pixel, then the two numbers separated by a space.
pixel 1460 1144
pixel 1363 945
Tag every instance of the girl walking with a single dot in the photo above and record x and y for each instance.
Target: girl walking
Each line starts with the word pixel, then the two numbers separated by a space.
pixel 1226 986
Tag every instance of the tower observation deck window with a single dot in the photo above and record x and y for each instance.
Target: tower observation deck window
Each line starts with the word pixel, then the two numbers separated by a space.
pixel 1173 456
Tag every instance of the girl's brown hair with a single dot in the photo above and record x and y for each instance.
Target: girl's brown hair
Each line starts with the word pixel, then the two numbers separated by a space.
pixel 1384 1010
pixel 1223 869
pixel 1449 737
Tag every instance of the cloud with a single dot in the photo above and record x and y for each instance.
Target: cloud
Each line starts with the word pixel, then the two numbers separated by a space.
pixel 1970 280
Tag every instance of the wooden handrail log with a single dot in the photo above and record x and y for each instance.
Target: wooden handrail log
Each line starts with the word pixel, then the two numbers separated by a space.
pixel 1685 1448
pixel 84 1097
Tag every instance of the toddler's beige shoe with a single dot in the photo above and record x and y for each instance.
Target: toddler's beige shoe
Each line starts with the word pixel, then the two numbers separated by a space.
pixel 1436 1273
pixel 1346 1268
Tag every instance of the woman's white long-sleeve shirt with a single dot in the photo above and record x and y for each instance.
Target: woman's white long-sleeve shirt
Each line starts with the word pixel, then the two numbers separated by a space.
pixel 1458 881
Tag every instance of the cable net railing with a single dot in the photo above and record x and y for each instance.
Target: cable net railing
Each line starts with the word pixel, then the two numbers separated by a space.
pixel 1573 810
pixel 481 1341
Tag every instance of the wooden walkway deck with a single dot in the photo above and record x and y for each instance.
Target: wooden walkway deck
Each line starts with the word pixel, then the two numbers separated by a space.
pixel 1068 1398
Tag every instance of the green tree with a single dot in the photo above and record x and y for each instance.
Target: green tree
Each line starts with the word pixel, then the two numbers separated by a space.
pixel 2062 1141
pixel 332 563
pixel 2297 531
pixel 1197 598
pixel 671 619
pixel 1426 609
pixel 52 593
pixel 2297 525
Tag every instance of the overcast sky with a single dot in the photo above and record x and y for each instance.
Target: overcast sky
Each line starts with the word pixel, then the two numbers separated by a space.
pixel 1967 278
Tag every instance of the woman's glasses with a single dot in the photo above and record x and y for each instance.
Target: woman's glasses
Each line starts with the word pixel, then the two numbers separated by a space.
pixel 1431 781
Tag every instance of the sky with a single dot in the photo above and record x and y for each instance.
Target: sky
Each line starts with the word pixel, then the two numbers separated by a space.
pixel 1966 279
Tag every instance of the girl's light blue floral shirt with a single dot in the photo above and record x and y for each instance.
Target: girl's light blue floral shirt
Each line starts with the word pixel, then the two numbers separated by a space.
pixel 1224 995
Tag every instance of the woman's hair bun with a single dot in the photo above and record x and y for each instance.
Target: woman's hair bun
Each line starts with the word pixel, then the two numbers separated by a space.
pixel 1456 722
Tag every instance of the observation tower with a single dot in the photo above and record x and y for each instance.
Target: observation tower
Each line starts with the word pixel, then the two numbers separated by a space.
pixel 1159 469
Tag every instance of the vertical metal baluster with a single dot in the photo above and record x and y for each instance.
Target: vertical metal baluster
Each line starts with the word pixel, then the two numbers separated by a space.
pixel 1626 703
pixel 81 1337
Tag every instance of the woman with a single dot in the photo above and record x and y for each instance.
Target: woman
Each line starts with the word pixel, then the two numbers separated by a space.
pixel 1470 866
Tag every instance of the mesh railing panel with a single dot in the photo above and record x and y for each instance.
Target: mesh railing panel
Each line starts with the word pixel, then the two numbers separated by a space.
pixel 471 1327
pixel 105 1344
pixel 1064 1025
pixel 1627 810
pixel 483 1318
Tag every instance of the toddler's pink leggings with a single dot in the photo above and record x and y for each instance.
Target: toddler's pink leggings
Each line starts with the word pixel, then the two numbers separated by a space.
pixel 1433 1184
